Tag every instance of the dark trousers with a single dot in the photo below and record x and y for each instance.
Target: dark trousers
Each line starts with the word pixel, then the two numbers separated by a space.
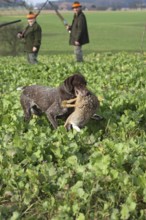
pixel 78 53
pixel 32 57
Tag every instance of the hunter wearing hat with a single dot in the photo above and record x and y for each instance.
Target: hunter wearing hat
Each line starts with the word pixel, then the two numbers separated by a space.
pixel 32 38
pixel 78 31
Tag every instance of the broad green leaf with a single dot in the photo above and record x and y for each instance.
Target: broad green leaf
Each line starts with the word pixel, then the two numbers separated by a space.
pixel 81 217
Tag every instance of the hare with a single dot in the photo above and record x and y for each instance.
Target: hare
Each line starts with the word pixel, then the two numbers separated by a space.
pixel 85 104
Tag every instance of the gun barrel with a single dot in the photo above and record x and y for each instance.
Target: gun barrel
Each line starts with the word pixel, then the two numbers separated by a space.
pixel 8 23
pixel 58 14
pixel 41 8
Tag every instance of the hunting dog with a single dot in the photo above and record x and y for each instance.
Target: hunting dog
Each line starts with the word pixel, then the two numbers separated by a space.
pixel 85 104
pixel 37 99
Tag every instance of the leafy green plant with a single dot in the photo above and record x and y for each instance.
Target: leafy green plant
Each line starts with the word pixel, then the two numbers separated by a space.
pixel 98 173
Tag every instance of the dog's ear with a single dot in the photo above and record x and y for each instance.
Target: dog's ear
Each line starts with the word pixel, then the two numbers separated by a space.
pixel 76 80
pixel 68 83
pixel 79 80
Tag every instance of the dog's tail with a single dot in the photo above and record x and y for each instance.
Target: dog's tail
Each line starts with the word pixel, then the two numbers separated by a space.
pixel 21 88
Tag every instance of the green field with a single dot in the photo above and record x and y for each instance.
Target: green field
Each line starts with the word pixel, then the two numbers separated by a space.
pixel 109 31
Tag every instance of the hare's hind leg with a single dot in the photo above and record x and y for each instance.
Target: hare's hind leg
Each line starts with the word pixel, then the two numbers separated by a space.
pixel 66 103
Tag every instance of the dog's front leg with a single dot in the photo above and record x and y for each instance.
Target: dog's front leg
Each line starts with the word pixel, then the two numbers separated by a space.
pixel 52 112
pixel 52 119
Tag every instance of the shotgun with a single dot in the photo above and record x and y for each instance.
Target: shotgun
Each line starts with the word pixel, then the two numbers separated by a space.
pixel 41 8
pixel 58 14
pixel 8 23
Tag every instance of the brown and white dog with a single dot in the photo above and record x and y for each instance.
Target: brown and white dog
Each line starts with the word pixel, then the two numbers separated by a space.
pixel 37 99
pixel 85 104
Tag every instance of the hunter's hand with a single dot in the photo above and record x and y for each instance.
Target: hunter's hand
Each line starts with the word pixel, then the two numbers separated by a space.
pixel 68 27
pixel 19 35
pixel 34 49
pixel 77 43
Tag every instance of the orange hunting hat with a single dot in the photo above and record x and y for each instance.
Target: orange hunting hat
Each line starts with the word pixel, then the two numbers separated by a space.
pixel 76 5
pixel 31 15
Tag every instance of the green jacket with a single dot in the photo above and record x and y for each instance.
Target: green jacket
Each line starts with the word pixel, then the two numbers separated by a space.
pixel 79 30
pixel 32 37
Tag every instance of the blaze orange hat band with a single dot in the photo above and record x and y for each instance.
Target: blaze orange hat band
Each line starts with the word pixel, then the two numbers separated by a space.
pixel 31 16
pixel 76 5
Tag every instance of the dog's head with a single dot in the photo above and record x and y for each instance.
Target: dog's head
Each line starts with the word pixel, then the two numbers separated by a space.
pixel 82 92
pixel 76 80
